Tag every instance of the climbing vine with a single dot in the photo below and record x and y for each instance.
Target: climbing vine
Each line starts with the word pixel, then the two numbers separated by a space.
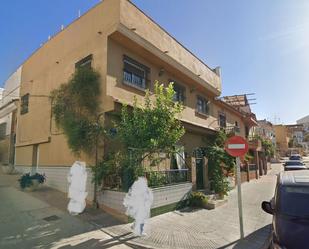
pixel 75 107
pixel 219 162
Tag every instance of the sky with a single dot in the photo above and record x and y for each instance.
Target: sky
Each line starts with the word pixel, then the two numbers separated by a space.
pixel 261 46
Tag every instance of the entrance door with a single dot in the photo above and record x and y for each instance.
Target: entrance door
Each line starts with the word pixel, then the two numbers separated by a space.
pixel 35 159
pixel 199 162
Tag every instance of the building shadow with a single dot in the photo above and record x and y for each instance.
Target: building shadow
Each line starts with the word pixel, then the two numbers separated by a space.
pixel 259 239
pixel 104 244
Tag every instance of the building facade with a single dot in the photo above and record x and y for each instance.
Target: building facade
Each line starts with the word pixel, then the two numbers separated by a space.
pixel 282 139
pixel 131 52
pixel 8 117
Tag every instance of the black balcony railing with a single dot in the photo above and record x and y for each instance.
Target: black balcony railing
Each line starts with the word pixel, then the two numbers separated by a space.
pixel 167 177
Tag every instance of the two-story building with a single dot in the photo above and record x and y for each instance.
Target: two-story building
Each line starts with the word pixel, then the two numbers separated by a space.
pixel 131 52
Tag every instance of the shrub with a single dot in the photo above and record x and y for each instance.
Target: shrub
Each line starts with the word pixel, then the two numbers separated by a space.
pixel 26 180
pixel 156 179
pixel 197 199
pixel 40 177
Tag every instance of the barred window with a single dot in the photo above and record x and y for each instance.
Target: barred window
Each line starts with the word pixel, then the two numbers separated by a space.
pixel 134 73
pixel 179 93
pixel 202 105
pixel 24 108
pixel 222 120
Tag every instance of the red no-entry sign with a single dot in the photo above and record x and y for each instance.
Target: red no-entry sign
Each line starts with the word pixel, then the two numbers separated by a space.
pixel 236 146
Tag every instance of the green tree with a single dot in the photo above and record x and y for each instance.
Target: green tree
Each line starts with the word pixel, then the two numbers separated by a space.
pixel 268 147
pixel 75 106
pixel 144 130
pixel 153 126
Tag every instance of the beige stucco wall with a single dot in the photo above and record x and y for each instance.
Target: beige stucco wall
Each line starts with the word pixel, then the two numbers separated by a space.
pixel 133 18
pixel 24 155
pixel 52 65
pixel 123 93
pixel 281 138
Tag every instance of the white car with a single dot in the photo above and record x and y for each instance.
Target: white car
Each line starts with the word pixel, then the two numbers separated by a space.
pixel 294 165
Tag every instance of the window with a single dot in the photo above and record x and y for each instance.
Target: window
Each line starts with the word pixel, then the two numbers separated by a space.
pixel 2 131
pixel 179 93
pixel 247 131
pixel 202 105
pixel 222 120
pixel 24 108
pixel 85 62
pixel 134 73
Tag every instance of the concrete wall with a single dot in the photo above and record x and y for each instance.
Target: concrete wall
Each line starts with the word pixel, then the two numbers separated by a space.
pixel 56 177
pixel 112 201
pixel 11 87
pixel 5 150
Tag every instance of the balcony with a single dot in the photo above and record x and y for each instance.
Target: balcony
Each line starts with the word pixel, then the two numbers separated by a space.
pixel 254 143
pixel 230 129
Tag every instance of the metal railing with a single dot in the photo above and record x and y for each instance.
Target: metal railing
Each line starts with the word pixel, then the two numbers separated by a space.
pixel 167 177
pixel 251 167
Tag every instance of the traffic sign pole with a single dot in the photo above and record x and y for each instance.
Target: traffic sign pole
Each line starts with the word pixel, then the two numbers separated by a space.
pixel 241 223
pixel 237 146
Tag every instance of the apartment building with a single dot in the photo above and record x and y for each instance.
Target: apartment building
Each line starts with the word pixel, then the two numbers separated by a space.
pixel 131 52
pixel 282 139
pixel 8 117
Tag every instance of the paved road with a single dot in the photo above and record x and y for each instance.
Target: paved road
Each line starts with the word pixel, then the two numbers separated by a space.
pixel 22 224
pixel 217 228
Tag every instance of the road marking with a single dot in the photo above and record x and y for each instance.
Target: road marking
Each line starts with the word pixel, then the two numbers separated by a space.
pixel 236 146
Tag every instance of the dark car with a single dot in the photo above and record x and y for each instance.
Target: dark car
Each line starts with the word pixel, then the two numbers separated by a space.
pixel 295 157
pixel 290 210
pixel 294 165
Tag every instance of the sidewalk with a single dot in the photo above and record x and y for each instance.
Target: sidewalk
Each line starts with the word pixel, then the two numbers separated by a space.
pixel 217 228
pixel 39 220
pixel 22 223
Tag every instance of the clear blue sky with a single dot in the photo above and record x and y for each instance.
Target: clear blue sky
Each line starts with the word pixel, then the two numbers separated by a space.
pixel 261 45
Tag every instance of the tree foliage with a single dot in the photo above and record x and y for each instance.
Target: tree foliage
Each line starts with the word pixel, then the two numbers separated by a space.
pixel 153 126
pixel 144 129
pixel 75 106
pixel 268 147
pixel 219 162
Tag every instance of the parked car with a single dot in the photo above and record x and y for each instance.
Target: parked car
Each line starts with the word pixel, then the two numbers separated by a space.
pixel 295 157
pixel 294 165
pixel 289 207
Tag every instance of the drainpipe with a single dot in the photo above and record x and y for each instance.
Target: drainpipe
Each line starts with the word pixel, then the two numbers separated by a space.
pixel 95 201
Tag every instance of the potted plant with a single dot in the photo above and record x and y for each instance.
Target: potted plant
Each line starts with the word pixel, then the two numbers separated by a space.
pixel 31 182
